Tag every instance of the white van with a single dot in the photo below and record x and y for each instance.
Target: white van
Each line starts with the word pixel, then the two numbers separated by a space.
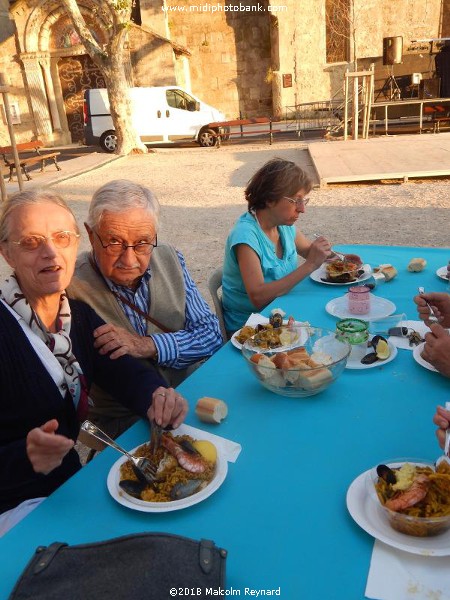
pixel 160 114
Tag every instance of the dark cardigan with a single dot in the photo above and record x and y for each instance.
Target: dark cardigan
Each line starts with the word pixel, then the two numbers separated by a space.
pixel 29 397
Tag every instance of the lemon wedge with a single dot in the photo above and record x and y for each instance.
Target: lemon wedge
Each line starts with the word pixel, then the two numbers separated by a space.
pixel 206 449
pixel 382 350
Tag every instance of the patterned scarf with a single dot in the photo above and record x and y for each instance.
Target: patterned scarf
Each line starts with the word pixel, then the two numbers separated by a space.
pixel 59 343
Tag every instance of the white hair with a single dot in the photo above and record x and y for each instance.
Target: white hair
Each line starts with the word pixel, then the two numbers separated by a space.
pixel 120 195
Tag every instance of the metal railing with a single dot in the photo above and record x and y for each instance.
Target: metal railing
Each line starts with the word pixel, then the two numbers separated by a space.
pixel 324 114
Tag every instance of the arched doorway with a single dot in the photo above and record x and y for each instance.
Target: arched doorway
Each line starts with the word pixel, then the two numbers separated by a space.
pixel 77 74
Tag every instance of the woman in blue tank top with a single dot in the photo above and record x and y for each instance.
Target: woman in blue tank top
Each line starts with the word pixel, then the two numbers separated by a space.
pixel 261 252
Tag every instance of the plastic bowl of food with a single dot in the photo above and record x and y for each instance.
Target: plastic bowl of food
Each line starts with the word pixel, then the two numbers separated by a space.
pixel 414 496
pixel 305 361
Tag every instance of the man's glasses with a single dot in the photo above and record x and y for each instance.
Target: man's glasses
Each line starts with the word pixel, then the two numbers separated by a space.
pixel 116 248
pixel 299 202
pixel 60 239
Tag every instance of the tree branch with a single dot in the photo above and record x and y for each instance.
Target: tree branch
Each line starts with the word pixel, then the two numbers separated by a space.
pixel 86 37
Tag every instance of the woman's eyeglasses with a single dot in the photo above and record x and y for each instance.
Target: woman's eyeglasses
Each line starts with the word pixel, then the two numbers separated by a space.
pixel 116 247
pixel 299 202
pixel 60 239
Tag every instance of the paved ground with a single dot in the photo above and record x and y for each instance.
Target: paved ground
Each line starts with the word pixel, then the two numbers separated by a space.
pixel 201 193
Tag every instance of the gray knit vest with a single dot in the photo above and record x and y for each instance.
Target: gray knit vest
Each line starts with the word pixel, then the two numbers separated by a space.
pixel 167 305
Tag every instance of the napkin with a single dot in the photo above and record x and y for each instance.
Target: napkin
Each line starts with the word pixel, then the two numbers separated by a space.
pixel 226 448
pixel 403 342
pixel 258 319
pixel 398 575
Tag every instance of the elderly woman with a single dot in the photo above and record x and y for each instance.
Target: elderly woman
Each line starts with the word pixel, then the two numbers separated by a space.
pixel 47 356
pixel 261 261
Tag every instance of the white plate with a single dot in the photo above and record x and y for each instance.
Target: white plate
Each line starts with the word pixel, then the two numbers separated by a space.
pixel 418 358
pixel 357 364
pixel 126 500
pixel 299 342
pixel 379 308
pixel 320 274
pixel 372 519
pixel 442 273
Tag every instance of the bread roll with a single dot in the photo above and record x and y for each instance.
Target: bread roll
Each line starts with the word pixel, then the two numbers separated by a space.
pixel 264 366
pixel 416 265
pixel 389 272
pixel 298 354
pixel 281 360
pixel 314 379
pixel 211 410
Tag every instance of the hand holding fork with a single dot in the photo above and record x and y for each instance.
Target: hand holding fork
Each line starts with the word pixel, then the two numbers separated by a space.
pixel 432 318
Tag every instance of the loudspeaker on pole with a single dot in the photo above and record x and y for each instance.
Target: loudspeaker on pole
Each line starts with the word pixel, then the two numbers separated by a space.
pixel 392 50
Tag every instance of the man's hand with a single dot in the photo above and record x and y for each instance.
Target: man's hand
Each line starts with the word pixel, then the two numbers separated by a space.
pixel 119 341
pixel 436 350
pixel 439 301
pixel 442 420
pixel 45 448
pixel 168 407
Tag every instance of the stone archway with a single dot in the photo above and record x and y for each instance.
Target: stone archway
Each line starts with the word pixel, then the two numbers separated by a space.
pixel 77 74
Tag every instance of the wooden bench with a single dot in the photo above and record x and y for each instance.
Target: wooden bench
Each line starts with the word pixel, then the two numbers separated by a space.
pixel 29 154
pixel 245 122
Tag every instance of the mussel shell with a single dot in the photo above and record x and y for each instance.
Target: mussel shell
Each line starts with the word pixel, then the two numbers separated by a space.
pixel 276 320
pixel 370 358
pixel 387 474
pixel 182 490
pixel 132 487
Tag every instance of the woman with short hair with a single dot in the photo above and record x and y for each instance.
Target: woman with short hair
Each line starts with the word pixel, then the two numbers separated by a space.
pixel 261 253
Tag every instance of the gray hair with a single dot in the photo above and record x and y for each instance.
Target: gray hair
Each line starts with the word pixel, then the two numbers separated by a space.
pixel 120 195
pixel 37 196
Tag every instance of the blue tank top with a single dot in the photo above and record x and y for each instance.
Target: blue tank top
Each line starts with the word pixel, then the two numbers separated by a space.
pixel 236 303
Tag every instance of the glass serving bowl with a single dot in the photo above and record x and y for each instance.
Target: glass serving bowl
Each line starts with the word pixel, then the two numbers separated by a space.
pixel 407 524
pixel 297 361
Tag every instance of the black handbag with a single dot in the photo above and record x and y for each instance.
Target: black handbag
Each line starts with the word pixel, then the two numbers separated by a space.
pixel 145 566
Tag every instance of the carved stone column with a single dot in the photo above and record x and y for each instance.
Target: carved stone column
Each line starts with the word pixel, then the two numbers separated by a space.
pixel 38 96
pixel 48 80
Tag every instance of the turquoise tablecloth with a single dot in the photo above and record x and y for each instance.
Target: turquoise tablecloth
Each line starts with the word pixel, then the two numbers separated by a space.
pixel 281 512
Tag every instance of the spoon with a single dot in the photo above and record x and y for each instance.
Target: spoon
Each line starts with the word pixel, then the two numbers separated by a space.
pixel 446 456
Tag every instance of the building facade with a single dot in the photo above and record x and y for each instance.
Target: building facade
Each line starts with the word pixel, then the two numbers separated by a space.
pixel 246 57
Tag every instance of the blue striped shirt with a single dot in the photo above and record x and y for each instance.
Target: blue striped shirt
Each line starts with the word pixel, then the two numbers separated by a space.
pixel 199 339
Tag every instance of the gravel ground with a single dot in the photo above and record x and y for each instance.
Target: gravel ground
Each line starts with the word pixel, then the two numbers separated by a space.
pixel 201 195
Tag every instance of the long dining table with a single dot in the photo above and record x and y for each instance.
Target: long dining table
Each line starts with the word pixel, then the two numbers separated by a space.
pixel 281 511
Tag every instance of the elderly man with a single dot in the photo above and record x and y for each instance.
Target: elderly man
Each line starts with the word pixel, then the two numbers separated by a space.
pixel 143 291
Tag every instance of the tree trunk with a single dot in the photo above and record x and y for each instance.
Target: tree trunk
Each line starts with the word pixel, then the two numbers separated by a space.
pixel 111 63
pixel 128 141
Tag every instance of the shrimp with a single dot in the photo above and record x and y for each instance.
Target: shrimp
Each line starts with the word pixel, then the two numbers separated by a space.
pixel 194 463
pixel 411 496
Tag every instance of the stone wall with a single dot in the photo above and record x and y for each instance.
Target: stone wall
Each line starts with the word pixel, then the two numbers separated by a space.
pixel 24 127
pixel 231 56
pixel 152 59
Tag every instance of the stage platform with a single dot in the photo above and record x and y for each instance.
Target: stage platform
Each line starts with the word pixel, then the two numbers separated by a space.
pixel 390 157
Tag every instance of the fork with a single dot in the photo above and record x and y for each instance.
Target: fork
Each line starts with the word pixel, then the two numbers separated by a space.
pixel 143 468
pixel 432 318
pixel 338 254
